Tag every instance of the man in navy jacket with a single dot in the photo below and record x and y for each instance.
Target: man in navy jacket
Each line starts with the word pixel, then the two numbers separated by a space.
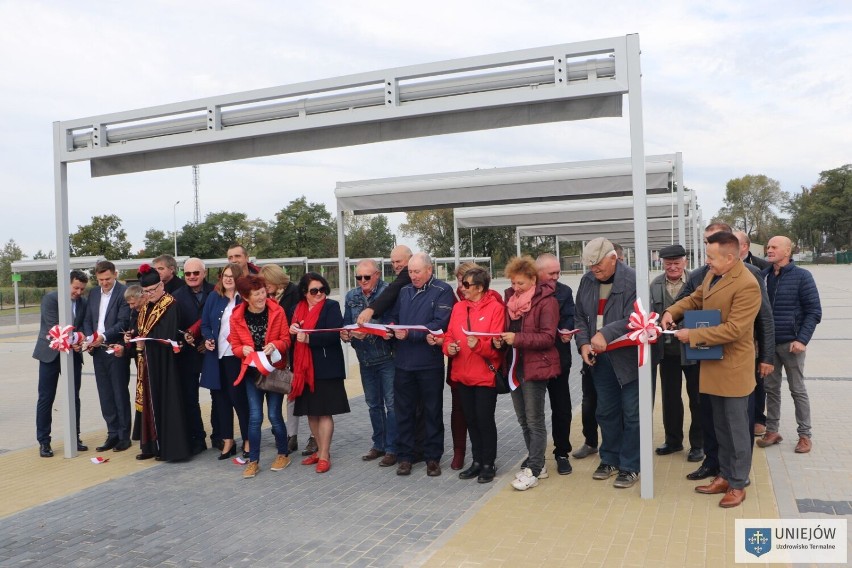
pixel 797 311
pixel 419 375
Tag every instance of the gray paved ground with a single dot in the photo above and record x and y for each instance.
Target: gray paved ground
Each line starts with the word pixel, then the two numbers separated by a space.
pixel 202 513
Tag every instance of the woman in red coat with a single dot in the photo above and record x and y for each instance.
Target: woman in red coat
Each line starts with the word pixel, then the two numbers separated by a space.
pixel 259 324
pixel 532 317
pixel 473 360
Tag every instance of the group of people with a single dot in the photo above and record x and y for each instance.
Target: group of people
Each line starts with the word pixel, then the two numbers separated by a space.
pixel 416 334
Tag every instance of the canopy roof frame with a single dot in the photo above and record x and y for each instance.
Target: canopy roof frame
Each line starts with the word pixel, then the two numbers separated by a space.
pixel 467 102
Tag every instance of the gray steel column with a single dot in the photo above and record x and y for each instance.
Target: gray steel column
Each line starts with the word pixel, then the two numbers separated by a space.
pixel 63 270
pixel 343 277
pixel 681 224
pixel 640 218
pixel 518 241
pixel 456 241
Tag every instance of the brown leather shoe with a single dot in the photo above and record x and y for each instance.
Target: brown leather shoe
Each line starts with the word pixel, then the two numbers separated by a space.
pixel 388 460
pixel 732 498
pixel 769 439
pixel 404 468
pixel 372 455
pixel 433 468
pixel 759 429
pixel 804 445
pixel 718 485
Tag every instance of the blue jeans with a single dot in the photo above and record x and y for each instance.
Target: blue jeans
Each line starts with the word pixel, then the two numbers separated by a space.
pixel 378 394
pixel 274 401
pixel 618 417
pixel 426 388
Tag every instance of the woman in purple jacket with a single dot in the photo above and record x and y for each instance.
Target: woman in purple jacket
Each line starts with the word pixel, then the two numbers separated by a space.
pixel 532 316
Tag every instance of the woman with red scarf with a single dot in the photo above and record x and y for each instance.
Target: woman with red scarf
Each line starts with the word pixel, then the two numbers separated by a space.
pixel 532 316
pixel 318 366
pixel 259 324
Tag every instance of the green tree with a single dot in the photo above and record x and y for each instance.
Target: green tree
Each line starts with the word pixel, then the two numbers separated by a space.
pixel 42 278
pixel 496 242
pixel 821 215
pixel 301 229
pixel 9 254
pixel 367 236
pixel 752 203
pixel 103 236
pixel 212 237
pixel 157 242
pixel 433 229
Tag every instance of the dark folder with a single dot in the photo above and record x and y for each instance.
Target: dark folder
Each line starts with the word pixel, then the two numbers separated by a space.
pixel 702 318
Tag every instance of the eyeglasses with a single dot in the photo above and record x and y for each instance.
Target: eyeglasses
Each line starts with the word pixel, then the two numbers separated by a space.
pixel 365 278
pixel 193 273
pixel 146 291
pixel 315 291
pixel 231 276
pixel 466 284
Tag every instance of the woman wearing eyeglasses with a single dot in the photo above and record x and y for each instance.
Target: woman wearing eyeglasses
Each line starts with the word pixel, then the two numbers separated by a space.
pixel 473 360
pixel 259 324
pixel 318 367
pixel 221 367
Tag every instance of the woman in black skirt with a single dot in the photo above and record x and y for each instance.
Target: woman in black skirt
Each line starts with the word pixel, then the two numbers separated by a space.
pixel 318 367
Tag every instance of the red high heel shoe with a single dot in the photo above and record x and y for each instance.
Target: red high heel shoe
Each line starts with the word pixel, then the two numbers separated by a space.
pixel 311 459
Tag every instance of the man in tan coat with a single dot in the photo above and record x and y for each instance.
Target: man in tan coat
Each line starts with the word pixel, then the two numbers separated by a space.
pixel 729 288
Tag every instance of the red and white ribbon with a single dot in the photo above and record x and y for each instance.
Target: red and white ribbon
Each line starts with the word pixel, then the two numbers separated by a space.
pixel 63 338
pixel 257 359
pixel 643 331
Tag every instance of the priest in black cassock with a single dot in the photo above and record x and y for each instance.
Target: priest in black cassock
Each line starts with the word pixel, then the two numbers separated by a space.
pixel 165 435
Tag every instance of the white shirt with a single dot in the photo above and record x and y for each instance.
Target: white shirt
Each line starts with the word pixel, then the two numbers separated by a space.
pixel 223 345
pixel 102 309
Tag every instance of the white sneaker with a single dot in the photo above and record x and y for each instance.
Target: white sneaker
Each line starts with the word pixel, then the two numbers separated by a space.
pixel 526 480
pixel 541 475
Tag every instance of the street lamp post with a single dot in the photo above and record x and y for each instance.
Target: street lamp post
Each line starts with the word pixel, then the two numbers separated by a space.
pixel 174 212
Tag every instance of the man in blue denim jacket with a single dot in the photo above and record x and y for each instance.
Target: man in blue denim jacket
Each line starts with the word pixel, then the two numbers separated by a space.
pixel 375 359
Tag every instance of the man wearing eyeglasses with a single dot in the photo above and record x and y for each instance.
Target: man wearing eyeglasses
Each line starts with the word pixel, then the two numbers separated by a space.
pixel 107 318
pixel 190 301
pixel 375 359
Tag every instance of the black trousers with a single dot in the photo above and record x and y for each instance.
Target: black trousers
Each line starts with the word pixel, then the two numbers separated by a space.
pixel 672 375
pixel 478 405
pixel 112 377
pixel 590 405
pixel 48 381
pixel 560 412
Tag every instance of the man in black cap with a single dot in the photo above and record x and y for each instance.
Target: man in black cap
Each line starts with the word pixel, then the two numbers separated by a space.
pixel 668 354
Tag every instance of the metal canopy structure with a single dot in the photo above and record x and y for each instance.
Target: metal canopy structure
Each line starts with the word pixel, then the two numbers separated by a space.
pixel 558 83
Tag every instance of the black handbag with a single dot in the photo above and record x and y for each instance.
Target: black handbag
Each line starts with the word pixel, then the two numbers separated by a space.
pixel 279 380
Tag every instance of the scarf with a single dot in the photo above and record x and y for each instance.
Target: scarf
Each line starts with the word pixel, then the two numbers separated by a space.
pixel 303 360
pixel 519 304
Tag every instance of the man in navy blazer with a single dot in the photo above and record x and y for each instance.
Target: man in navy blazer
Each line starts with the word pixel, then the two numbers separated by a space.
pixel 49 365
pixel 108 316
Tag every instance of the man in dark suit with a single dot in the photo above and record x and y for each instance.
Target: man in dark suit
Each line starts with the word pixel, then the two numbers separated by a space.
pixel 190 300
pixel 107 318
pixel 49 365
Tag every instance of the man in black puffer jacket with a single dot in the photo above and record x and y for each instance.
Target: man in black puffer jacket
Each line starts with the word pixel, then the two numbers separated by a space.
pixel 797 311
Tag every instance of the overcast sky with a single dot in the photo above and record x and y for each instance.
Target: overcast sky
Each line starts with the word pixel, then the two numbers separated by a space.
pixel 738 87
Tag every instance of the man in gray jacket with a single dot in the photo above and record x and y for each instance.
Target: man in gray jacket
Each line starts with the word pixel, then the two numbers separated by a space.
pixel 49 364
pixel 603 307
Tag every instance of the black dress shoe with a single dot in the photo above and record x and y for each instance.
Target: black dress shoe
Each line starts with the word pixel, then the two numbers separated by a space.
pixel 702 473
pixel 144 456
pixel 667 449
pixel 471 472
pixel 109 444
pixel 45 451
pixel 81 447
pixel 487 474
pixel 695 455
pixel 121 446
pixel 229 453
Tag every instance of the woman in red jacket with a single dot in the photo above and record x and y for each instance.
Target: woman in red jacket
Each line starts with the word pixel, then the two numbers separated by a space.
pixel 532 317
pixel 473 358
pixel 259 324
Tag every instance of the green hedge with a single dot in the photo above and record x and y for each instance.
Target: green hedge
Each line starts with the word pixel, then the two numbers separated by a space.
pixel 26 296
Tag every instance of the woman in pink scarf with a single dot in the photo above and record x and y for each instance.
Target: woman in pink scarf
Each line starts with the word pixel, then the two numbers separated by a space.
pixel 532 316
